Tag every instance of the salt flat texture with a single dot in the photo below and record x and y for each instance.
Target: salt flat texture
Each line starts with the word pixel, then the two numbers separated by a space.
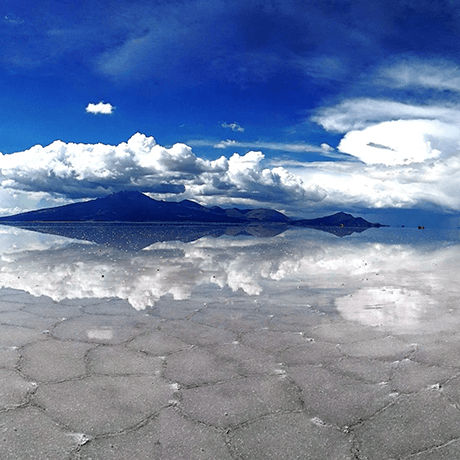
pixel 295 371
pixel 154 386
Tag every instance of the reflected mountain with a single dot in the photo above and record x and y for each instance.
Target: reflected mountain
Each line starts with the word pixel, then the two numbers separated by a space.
pixel 185 221
pixel 401 287
pixel 137 236
pixel 337 231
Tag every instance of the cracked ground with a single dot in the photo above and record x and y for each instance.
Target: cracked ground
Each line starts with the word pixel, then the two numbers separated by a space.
pixel 219 378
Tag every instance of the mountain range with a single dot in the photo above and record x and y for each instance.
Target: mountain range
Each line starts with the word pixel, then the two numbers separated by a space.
pixel 131 206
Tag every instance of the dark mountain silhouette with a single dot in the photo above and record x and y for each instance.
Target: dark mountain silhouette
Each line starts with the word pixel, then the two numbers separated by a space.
pixel 124 208
pixel 340 219
pixel 137 207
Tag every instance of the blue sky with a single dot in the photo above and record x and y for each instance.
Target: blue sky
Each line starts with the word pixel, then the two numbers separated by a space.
pixel 304 106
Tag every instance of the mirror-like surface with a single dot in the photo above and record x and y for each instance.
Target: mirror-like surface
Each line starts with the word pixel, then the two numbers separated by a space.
pixel 201 343
pixel 400 279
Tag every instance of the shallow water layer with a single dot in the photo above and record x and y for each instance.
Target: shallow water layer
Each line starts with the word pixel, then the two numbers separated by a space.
pixel 239 344
pixel 395 278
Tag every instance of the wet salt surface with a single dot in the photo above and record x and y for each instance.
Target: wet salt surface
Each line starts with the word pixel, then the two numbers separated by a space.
pixel 301 345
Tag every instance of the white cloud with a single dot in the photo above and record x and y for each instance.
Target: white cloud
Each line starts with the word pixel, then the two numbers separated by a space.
pixel 227 143
pixel 91 170
pixel 391 132
pixel 399 142
pixel 101 108
pixel 409 152
pixel 437 74
pixel 13 20
pixel 286 147
pixel 326 147
pixel 405 155
pixel 246 178
pixel 323 67
pixel 431 183
pixel 353 114
pixel 323 149
pixel 234 127
pixel 60 173
pixel 15 201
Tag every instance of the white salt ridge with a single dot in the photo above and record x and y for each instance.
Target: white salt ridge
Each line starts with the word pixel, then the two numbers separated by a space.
pixel 80 438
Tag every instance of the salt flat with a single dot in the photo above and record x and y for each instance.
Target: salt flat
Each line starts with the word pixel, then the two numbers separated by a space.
pixel 300 361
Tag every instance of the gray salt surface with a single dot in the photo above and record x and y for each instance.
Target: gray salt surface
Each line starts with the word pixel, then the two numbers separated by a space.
pixel 296 371
pixel 116 385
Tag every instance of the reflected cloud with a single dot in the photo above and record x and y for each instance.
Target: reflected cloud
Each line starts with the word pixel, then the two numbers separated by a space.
pixel 100 334
pixel 390 307
pixel 372 281
pixel 137 236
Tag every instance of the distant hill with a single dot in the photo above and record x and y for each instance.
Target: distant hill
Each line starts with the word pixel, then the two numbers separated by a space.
pixel 137 207
pixel 130 206
pixel 340 219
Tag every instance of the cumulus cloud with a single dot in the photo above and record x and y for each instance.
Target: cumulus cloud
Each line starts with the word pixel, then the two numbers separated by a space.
pixel 433 183
pixel 255 182
pixel 392 154
pixel 390 173
pixel 101 108
pixel 234 127
pixel 394 171
pixel 91 170
pixel 391 132
pixel 409 151
pixel 399 142
pixel 353 114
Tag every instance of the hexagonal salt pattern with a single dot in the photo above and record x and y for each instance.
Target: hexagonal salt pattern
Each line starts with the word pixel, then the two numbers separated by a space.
pixel 181 382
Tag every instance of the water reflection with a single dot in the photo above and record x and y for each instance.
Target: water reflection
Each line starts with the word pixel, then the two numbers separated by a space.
pixel 366 278
pixel 388 306
pixel 100 334
pixel 137 236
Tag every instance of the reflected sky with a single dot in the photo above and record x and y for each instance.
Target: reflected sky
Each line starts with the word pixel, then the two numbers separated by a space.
pixel 399 279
